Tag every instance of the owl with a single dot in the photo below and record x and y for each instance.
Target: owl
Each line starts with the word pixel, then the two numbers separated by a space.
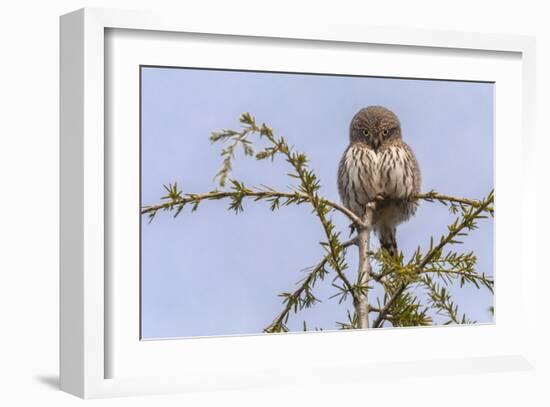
pixel 378 163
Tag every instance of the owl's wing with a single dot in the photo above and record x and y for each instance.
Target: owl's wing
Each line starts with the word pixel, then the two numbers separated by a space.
pixel 415 168
pixel 342 179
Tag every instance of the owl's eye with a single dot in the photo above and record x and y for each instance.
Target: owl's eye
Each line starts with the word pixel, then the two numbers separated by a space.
pixel 385 132
pixel 365 132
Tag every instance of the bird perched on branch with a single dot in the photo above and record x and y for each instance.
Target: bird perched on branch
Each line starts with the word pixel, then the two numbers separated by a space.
pixel 378 165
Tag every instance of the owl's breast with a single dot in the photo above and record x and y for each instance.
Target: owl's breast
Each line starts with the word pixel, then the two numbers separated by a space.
pixel 397 172
pixel 364 173
pixel 359 178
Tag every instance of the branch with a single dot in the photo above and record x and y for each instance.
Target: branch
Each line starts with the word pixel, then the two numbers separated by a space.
pixel 364 268
pixel 468 222
pixel 487 281
pixel 309 185
pixel 195 199
pixel 461 267
pixel 192 198
pixel 395 276
pixel 295 300
pixel 440 299
pixel 444 199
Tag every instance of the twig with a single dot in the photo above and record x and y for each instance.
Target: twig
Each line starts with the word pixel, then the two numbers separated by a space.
pixel 441 300
pixel 292 299
pixel 466 222
pixel 483 278
pixel 434 196
pixel 215 195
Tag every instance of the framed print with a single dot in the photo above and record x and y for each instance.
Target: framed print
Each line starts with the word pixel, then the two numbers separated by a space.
pixel 255 207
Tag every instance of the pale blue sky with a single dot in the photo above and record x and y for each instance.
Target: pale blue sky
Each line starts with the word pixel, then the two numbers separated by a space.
pixel 215 273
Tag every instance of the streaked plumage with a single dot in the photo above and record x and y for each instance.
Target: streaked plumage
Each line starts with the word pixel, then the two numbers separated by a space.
pixel 378 162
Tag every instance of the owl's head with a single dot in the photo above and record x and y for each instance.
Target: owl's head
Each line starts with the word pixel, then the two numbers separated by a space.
pixel 375 126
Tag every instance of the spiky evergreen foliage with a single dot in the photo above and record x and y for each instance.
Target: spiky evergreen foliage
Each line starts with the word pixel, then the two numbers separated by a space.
pixel 414 288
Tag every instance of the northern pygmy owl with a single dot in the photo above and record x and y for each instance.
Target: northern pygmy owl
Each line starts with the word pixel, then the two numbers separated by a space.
pixel 378 163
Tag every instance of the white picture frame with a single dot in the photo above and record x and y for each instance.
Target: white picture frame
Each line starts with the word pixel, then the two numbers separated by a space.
pixel 87 294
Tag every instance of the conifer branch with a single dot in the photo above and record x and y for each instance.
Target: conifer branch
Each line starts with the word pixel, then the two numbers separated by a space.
pixel 400 307
pixel 309 186
pixel 467 221
pixel 279 199
pixel 440 300
pixel 302 297
pixel 275 198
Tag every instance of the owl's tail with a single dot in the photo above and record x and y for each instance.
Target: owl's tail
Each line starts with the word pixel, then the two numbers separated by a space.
pixel 388 240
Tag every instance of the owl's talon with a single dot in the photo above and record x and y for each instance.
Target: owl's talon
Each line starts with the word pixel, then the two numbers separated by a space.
pixel 352 229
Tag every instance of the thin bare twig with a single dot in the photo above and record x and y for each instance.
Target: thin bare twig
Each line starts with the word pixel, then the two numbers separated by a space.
pixel 364 269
